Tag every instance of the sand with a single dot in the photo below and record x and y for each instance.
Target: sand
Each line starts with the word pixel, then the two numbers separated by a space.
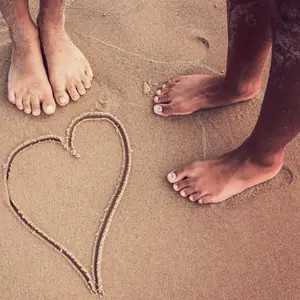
pixel 157 246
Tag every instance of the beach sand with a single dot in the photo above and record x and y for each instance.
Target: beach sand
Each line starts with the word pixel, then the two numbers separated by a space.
pixel 156 245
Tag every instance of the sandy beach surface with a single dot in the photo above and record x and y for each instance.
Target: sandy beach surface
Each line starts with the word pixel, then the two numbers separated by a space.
pixel 153 245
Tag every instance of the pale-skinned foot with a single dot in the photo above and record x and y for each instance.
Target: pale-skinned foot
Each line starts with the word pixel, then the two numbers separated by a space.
pixel 186 94
pixel 28 85
pixel 213 181
pixel 70 73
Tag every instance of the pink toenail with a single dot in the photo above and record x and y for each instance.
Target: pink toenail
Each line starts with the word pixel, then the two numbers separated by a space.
pixel 157 109
pixel 172 177
pixel 155 99
pixel 200 201
pixel 175 187
pixel 164 86
pixel 182 193
pixel 191 198
pixel 158 92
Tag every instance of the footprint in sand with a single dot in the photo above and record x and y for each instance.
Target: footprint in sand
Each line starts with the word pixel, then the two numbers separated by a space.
pixel 93 280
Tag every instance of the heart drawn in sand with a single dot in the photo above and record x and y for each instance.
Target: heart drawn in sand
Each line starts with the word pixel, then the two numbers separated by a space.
pixel 93 280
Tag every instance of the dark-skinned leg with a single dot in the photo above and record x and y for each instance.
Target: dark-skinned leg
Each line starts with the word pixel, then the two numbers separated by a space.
pixel 249 42
pixel 69 71
pixel 28 85
pixel 260 157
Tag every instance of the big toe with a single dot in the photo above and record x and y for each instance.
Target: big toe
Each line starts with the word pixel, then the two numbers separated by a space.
pixel 178 175
pixel 164 110
pixel 48 105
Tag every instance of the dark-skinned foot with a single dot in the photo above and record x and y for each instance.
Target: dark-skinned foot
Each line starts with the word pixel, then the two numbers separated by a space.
pixel 213 181
pixel 186 94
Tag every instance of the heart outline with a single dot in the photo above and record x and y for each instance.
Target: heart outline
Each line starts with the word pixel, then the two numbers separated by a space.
pixel 93 281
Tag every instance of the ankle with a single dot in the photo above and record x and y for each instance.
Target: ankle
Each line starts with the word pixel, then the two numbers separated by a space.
pixel 239 88
pixel 261 156
pixel 24 36
pixel 49 21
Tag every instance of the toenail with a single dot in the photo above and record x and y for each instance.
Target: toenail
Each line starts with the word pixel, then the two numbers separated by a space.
pixel 164 86
pixel 156 99
pixel 191 198
pixel 157 109
pixel 175 187
pixel 158 92
pixel 182 193
pixel 50 109
pixel 36 113
pixel 172 177
pixel 200 201
pixel 27 111
pixel 63 100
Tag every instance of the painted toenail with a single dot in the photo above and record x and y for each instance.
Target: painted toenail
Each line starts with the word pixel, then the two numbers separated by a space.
pixel 158 92
pixel 191 198
pixel 200 201
pixel 164 86
pixel 63 100
pixel 156 99
pixel 182 193
pixel 172 177
pixel 175 187
pixel 50 109
pixel 157 109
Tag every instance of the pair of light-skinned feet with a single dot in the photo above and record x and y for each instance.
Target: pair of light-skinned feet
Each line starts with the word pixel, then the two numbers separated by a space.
pixel 67 75
pixel 34 84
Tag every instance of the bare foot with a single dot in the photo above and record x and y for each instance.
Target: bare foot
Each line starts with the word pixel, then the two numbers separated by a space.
pixel 213 181
pixel 28 85
pixel 186 94
pixel 69 71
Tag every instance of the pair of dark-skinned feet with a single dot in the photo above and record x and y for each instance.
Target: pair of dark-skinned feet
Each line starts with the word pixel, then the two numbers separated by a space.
pixel 66 75
pixel 213 181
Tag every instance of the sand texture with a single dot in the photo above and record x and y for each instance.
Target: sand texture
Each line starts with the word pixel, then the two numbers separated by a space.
pixel 85 209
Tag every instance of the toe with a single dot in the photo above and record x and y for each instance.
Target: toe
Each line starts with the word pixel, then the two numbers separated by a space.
pixel 181 185
pixel 178 175
pixel 35 106
pixel 19 101
pixel 206 199
pixel 194 197
pixel 60 94
pixel 186 191
pixel 27 104
pixel 89 72
pixel 162 92
pixel 80 88
pixel 73 92
pixel 162 99
pixel 11 97
pixel 164 110
pixel 86 82
pixel 62 98
pixel 48 104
